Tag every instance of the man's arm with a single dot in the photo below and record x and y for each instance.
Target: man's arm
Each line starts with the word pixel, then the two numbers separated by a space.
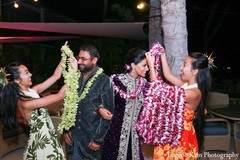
pixel 108 103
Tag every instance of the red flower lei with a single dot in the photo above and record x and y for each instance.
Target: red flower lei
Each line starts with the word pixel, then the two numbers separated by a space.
pixel 161 119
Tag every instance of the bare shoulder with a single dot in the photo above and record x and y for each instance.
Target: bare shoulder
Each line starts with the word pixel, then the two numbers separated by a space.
pixel 193 97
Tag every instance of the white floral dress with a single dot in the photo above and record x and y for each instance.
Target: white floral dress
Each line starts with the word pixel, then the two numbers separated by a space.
pixel 43 143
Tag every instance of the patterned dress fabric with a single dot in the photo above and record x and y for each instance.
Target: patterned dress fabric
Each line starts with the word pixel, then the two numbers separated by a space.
pixel 43 143
pixel 122 141
pixel 188 147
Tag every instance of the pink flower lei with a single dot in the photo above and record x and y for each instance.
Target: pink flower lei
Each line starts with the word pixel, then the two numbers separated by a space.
pixel 161 119
pixel 127 95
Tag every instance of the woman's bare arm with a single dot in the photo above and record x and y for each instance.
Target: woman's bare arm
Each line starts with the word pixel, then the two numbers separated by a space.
pixel 50 81
pixel 167 72
pixel 45 101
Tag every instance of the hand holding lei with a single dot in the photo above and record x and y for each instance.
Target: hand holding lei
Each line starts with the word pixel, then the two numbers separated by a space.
pixel 156 51
pixel 161 119
pixel 70 102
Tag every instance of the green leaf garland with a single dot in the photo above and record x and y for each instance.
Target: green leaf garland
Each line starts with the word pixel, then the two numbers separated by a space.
pixel 71 99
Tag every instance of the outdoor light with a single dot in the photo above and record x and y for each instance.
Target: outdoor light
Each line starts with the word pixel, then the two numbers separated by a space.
pixel 15 4
pixel 141 5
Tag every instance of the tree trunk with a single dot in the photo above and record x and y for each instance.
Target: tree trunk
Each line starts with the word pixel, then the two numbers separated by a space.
pixel 174 32
pixel 155 21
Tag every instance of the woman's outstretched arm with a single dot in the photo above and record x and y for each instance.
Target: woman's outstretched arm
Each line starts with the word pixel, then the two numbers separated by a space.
pixel 167 72
pixel 50 81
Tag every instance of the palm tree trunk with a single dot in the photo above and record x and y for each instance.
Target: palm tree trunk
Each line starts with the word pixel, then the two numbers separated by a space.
pixel 155 21
pixel 174 32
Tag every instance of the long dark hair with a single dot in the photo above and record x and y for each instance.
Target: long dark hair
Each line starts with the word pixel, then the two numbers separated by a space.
pixel 9 96
pixel 204 81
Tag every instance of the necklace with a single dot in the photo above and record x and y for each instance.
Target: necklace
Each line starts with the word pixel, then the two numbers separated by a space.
pixel 186 86
pixel 124 94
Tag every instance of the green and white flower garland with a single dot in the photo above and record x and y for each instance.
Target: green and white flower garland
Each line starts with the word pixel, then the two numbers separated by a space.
pixel 89 84
pixel 71 99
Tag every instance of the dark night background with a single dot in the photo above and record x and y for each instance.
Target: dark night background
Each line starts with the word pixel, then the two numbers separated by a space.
pixel 213 27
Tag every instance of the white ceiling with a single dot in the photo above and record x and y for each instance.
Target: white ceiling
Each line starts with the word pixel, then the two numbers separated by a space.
pixel 113 30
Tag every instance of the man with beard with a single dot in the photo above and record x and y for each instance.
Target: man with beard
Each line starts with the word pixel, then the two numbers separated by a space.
pixel 85 139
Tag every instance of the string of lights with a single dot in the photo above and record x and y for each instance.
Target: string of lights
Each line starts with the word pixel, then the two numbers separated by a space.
pixel 14 3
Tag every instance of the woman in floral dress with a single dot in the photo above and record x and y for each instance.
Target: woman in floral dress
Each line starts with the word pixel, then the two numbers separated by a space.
pixel 18 98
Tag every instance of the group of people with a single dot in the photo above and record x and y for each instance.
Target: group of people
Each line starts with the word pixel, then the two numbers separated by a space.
pixel 106 118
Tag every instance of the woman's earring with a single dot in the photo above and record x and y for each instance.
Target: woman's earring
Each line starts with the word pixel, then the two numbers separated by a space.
pixel 132 73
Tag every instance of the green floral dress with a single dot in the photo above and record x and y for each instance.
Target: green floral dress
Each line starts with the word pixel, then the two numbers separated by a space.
pixel 43 143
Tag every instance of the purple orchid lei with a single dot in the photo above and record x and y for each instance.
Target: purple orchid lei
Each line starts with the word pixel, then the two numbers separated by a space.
pixel 161 119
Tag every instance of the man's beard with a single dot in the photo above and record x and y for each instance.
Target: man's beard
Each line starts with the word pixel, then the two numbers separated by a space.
pixel 85 68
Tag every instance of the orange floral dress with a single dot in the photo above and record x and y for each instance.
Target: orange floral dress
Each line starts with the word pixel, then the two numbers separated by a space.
pixel 188 145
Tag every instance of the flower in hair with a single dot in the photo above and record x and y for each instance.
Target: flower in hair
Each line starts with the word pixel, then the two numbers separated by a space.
pixel 210 61
pixel 127 67
pixel 3 77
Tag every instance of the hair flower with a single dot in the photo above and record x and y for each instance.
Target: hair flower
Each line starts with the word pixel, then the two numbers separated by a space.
pixel 210 61
pixel 3 77
pixel 127 67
